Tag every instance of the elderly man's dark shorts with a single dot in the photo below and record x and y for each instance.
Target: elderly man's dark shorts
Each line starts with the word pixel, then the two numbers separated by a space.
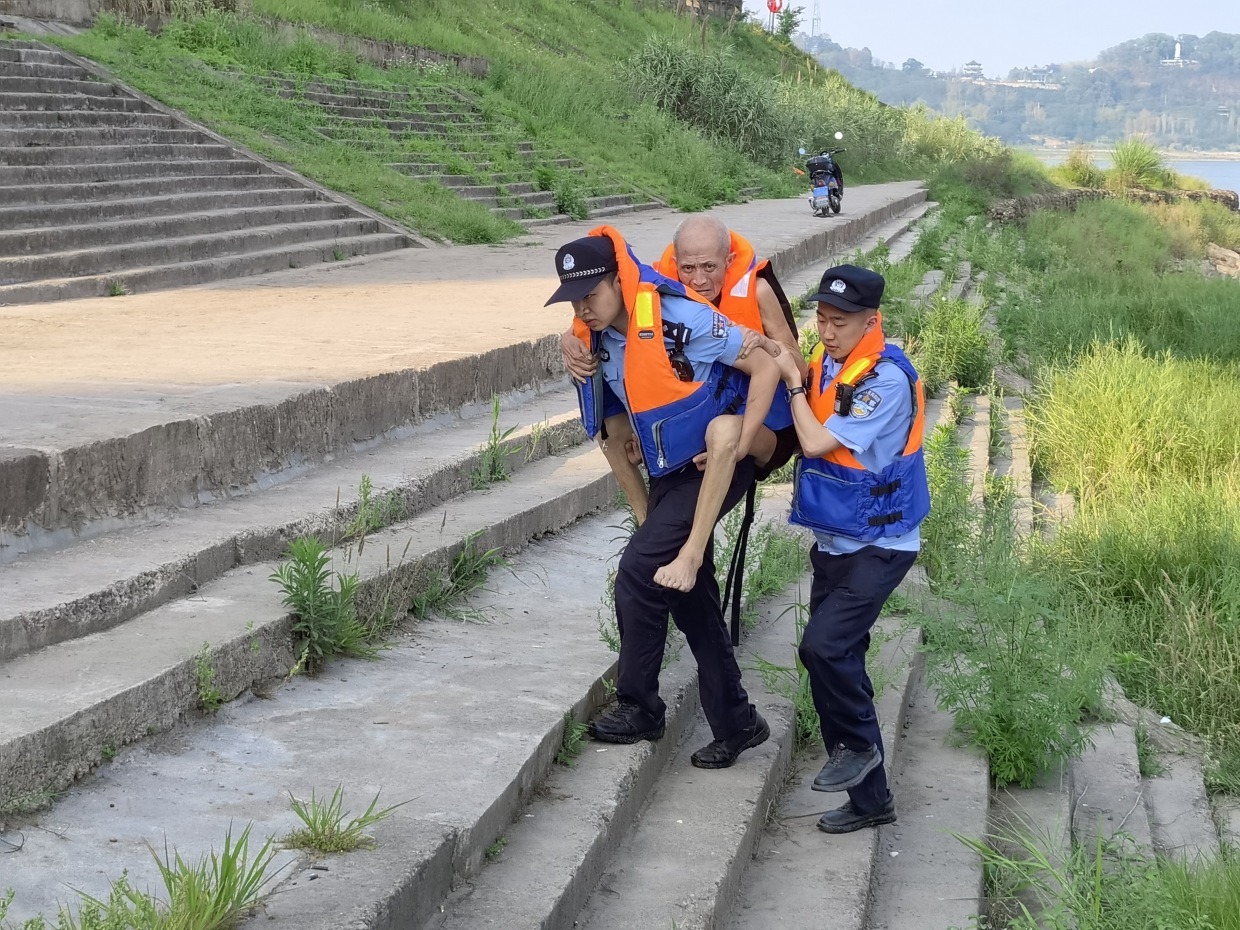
pixel 786 446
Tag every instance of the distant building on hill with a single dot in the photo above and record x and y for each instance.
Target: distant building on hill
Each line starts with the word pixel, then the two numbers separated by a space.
pixel 973 70
pixel 1178 61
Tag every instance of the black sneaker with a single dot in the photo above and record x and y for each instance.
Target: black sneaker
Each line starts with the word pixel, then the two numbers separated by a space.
pixel 846 819
pixel 724 752
pixel 627 723
pixel 847 769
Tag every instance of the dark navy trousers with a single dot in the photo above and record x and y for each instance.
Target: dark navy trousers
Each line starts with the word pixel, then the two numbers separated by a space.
pixel 847 595
pixel 642 607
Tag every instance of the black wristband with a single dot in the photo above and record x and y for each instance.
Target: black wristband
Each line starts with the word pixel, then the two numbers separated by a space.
pixel 793 392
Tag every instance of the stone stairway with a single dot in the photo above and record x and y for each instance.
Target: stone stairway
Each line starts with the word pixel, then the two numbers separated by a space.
pixel 451 122
pixel 103 193
pixel 104 640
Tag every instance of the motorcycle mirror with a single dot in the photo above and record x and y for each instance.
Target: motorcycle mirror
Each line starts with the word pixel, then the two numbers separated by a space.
pixel 839 135
pixel 800 151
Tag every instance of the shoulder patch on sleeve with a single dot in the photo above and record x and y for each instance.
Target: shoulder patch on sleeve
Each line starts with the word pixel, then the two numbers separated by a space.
pixel 718 325
pixel 865 403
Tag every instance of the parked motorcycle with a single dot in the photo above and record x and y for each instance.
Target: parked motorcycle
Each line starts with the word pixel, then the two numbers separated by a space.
pixel 826 193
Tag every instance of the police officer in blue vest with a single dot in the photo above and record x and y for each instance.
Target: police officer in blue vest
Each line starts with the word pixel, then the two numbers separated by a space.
pixel 861 486
pixel 690 353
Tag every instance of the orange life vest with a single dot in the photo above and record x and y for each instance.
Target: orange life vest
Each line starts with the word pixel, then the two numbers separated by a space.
pixel 669 416
pixel 836 493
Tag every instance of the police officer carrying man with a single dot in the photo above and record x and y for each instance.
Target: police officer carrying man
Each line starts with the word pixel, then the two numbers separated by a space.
pixel 671 364
pixel 861 486
pixel 719 265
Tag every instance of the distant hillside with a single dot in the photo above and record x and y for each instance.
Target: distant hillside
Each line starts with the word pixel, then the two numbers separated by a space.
pixel 1138 87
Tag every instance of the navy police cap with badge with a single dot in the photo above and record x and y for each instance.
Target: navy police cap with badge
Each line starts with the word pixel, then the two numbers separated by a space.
pixel 581 264
pixel 850 289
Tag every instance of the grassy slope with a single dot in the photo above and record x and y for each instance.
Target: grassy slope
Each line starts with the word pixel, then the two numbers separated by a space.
pixel 555 78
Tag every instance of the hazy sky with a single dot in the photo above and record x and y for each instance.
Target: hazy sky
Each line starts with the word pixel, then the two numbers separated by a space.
pixel 1002 34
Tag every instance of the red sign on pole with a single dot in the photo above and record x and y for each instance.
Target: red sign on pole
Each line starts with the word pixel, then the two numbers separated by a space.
pixel 775 6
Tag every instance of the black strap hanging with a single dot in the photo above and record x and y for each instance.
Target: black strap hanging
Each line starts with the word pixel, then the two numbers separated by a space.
pixel 736 571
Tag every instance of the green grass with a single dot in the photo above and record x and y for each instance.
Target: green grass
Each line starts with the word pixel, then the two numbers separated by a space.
pixel 493 459
pixel 327 826
pixel 750 101
pixel 464 575
pixel 1108 887
pixel 212 893
pixel 209 697
pixel 573 742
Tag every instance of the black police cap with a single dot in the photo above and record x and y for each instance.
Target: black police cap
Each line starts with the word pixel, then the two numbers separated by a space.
pixel 850 288
pixel 580 265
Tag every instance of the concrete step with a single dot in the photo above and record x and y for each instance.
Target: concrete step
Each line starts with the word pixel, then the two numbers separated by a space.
pixel 414 723
pixel 1181 823
pixel 72 241
pixel 108 135
pixel 82 119
pixel 43 70
pixel 609 200
pixel 258 251
pixel 86 86
pixel 622 209
pixel 340 109
pixel 86 586
pixel 87 155
pixel 47 178
pixel 402 129
pixel 574 857
pixel 136 679
pixel 30 54
pixel 359 89
pixel 924 877
pixel 92 212
pixel 1041 813
pixel 798 874
pixel 1107 791
pixel 408 120
pixel 17 102
pixel 117 192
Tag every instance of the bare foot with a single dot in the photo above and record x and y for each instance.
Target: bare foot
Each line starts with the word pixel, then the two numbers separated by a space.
pixel 680 574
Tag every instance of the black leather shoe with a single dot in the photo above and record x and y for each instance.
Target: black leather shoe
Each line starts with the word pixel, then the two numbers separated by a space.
pixel 627 723
pixel 723 753
pixel 846 819
pixel 847 769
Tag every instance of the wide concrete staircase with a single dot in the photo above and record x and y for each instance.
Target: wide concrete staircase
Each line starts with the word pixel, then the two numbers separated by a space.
pixel 102 193
pixel 113 642
pixel 433 123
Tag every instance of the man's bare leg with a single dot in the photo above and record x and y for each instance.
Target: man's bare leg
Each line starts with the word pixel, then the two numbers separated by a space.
pixel 722 436
pixel 628 475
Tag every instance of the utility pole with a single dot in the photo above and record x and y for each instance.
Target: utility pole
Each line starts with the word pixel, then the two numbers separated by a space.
pixel 813 25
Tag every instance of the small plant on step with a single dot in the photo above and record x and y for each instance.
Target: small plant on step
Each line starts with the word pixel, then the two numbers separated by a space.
pixel 1148 760
pixel 209 696
pixel 327 827
pixel 539 433
pixel 572 742
pixel 324 608
pixel 374 513
pixel 116 288
pixel 493 459
pixel 793 683
pixel 570 198
pixel 467 573
pixel 494 850
pixel 339 254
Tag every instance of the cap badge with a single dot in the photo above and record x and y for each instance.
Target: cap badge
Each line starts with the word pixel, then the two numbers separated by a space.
pixel 569 262
pixel 838 286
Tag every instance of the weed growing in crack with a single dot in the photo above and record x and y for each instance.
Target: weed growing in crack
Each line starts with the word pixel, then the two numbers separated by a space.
pixel 793 683
pixel 466 574
pixel 325 828
pixel 493 459
pixel 324 608
pixel 494 850
pixel 209 696
pixel 572 742
pixel 1148 760
pixel 374 513
pixel 213 893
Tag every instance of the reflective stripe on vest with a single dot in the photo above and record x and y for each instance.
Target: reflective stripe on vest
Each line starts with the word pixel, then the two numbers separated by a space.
pixel 669 416
pixel 836 494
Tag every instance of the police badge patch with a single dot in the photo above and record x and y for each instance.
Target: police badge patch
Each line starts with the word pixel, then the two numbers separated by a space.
pixel 866 403
pixel 718 325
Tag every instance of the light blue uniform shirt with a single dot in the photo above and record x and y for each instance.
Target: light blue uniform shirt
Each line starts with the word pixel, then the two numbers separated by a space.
pixel 876 432
pixel 708 337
